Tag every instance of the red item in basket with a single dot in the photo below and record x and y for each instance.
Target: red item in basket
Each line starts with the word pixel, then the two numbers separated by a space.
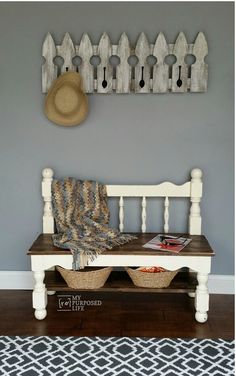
pixel 152 269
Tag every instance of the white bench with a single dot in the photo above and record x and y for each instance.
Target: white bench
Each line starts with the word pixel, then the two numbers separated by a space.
pixel 196 256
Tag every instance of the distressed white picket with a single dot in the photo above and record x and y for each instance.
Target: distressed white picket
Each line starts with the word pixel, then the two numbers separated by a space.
pixel 180 68
pixel 160 69
pixel 49 70
pixel 104 69
pixel 85 52
pixel 123 70
pixel 199 70
pixel 142 69
pixel 164 78
pixel 67 52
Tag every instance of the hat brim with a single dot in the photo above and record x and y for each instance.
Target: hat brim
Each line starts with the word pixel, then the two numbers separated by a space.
pixel 52 112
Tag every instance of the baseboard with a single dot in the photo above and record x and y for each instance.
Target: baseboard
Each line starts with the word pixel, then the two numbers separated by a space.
pixel 23 280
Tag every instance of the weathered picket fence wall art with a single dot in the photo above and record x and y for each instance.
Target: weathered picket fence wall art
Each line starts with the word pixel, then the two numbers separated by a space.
pixel 143 68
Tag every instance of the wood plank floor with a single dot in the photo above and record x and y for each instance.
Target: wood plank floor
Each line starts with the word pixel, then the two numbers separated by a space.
pixel 120 314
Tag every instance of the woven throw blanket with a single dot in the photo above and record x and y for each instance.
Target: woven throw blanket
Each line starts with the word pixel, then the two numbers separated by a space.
pixel 81 214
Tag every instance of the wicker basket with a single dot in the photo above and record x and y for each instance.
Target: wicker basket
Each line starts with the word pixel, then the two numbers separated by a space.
pixel 151 280
pixel 88 278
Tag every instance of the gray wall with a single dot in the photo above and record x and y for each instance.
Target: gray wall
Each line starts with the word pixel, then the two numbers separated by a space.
pixel 126 138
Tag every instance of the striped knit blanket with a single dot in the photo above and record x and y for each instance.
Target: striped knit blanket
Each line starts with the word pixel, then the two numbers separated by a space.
pixel 81 215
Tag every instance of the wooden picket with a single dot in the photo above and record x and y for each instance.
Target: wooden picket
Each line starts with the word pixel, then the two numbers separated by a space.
pixel 107 77
pixel 123 70
pixel 199 70
pixel 85 51
pixel 104 69
pixel 180 69
pixel 161 69
pixel 67 52
pixel 142 69
pixel 49 70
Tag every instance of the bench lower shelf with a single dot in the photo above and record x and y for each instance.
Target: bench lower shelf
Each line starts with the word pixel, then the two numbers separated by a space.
pixel 119 281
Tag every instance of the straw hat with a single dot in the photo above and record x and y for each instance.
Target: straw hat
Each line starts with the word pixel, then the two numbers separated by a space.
pixel 66 103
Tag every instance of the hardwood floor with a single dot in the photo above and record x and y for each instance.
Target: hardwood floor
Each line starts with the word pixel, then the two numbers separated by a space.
pixel 120 314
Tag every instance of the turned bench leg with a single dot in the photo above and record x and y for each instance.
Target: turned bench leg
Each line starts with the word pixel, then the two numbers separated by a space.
pixel 202 298
pixel 39 296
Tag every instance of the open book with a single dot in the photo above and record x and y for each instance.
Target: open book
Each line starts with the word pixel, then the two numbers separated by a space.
pixel 168 243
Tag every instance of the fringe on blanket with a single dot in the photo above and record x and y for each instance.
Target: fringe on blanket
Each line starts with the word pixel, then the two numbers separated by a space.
pixel 81 213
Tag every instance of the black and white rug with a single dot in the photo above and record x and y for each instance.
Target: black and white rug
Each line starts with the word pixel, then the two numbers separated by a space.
pixel 115 356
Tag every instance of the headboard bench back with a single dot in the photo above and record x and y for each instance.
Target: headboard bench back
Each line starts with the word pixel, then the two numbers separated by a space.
pixel 191 189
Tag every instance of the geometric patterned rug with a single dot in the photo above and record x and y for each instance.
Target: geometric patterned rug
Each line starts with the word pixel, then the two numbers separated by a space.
pixel 115 356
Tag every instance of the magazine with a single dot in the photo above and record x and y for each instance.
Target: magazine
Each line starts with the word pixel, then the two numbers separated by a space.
pixel 168 243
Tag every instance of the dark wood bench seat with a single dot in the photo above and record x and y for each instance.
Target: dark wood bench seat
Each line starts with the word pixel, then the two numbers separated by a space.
pixel 199 246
